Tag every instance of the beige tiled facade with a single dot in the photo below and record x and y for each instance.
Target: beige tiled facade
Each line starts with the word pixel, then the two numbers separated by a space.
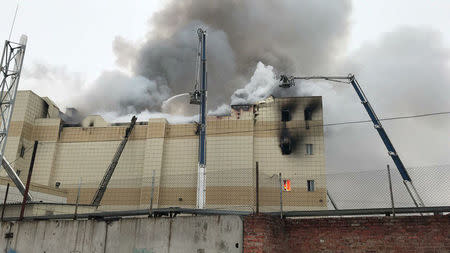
pixel 235 143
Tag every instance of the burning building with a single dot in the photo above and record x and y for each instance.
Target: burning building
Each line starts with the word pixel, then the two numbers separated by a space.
pixel 281 135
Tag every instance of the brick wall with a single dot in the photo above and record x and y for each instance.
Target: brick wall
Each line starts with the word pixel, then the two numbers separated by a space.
pixel 264 234
pixel 362 234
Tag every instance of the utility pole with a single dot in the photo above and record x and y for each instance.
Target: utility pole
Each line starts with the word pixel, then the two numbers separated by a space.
pixel 201 177
pixel 281 195
pixel 151 194
pixel 390 190
pixel 4 201
pixel 78 200
pixel 257 187
pixel 27 187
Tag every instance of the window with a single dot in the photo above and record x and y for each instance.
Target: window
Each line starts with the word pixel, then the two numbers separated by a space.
pixel 310 184
pixel 285 145
pixel 286 185
pixel 45 110
pixel 22 151
pixel 285 115
pixel 309 149
pixel 308 114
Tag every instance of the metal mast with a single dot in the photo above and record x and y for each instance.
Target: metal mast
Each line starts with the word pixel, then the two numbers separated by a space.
pixel 201 177
pixel 10 69
pixel 112 166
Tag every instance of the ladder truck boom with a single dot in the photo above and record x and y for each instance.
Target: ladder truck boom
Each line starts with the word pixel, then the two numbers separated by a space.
pixel 377 124
pixel 112 166
pixel 289 81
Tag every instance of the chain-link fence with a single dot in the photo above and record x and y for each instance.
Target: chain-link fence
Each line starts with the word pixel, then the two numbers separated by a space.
pixel 237 190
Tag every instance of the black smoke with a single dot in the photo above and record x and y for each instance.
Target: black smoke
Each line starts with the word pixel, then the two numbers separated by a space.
pixel 289 139
pixel 290 35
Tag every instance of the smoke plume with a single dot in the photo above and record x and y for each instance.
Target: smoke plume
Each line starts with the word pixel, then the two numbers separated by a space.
pixel 289 35
pixel 117 92
pixel 406 71
pixel 262 84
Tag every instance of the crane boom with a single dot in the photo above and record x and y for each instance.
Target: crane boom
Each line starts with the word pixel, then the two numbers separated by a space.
pixel 112 166
pixel 289 81
pixel 199 97
pixel 377 124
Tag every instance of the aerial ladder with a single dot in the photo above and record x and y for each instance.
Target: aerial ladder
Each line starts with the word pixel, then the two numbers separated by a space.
pixel 199 97
pixel 289 81
pixel 112 166
pixel 10 69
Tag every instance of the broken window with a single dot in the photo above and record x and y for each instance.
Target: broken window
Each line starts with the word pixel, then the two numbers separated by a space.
pixel 310 185
pixel 91 124
pixel 308 114
pixel 285 145
pixel 285 115
pixel 309 149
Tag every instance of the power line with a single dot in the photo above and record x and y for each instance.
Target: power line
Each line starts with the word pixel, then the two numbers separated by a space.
pixel 314 125
pixel 386 119
pixel 326 125
pixel 298 127
pixel 24 152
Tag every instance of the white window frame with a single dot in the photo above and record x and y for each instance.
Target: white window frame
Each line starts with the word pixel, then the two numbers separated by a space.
pixel 309 149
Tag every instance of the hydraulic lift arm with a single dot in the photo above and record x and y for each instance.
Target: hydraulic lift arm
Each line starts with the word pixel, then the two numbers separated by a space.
pixel 287 82
pixel 112 166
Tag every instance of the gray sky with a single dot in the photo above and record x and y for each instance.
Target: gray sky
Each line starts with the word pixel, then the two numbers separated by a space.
pixel 73 41
pixel 78 34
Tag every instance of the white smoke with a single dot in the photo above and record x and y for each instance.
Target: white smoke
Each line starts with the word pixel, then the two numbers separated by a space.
pixel 262 84
pixel 146 115
pixel 175 109
pixel 220 111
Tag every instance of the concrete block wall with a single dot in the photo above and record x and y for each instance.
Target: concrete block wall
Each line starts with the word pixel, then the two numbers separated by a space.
pixel 205 234
pixel 253 234
pixel 358 234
